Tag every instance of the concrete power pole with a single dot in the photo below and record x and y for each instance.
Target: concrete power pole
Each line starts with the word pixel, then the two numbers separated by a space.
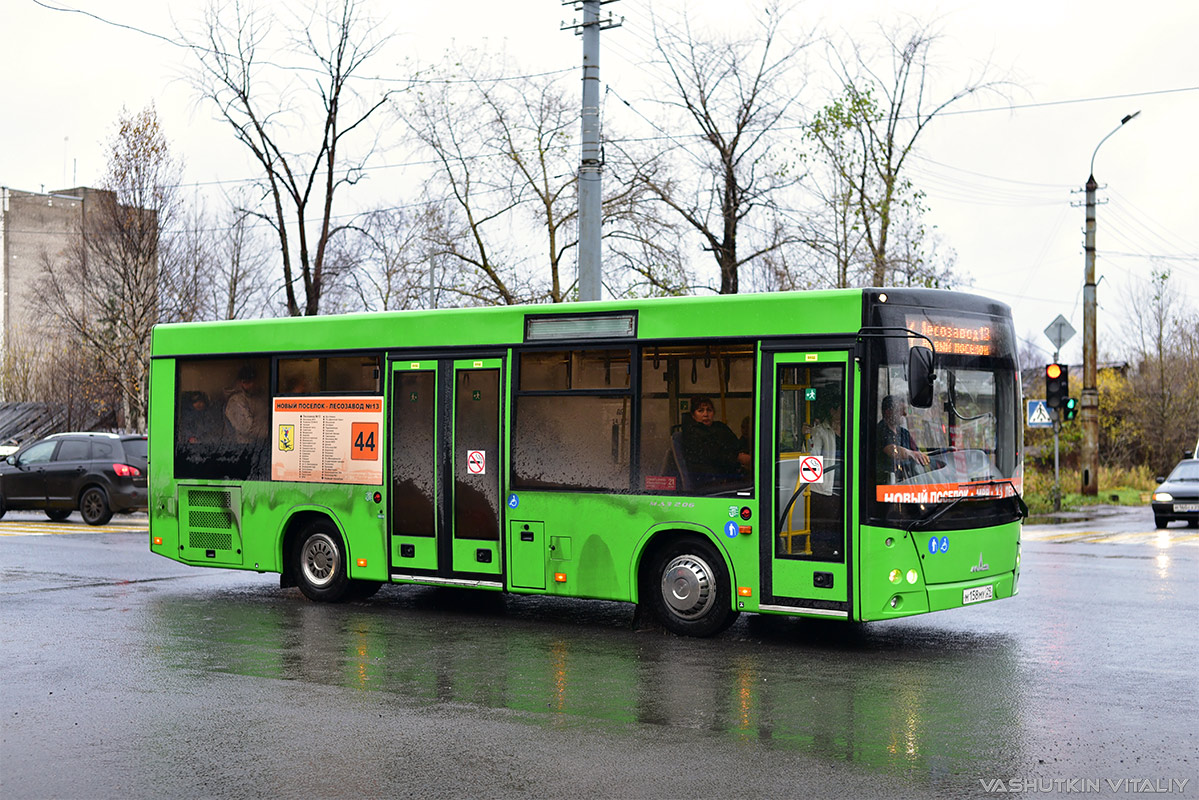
pixel 1090 383
pixel 591 164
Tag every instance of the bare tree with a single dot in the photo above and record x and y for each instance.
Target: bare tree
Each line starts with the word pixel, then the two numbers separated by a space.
pixel 504 178
pixel 317 99
pixel 1164 382
pixel 386 261
pixel 866 134
pixel 735 94
pixel 104 294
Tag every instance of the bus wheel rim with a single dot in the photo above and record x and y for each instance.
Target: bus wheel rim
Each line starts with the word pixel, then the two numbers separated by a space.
pixel 319 559
pixel 687 587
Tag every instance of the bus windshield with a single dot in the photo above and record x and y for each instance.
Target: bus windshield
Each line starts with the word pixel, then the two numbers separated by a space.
pixel 965 447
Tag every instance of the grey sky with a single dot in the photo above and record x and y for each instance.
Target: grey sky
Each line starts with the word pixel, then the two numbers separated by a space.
pixel 1000 183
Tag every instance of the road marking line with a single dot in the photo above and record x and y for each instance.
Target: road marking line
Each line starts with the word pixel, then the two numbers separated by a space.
pixel 54 528
pixel 1160 538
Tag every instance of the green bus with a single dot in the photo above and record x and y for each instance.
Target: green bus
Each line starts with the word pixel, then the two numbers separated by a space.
pixel 849 454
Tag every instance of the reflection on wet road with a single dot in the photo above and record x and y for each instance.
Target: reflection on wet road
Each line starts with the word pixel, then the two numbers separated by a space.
pixel 126 674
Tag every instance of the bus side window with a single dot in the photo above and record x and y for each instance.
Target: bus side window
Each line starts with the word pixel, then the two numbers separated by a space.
pixel 573 425
pixel 207 446
pixel 673 379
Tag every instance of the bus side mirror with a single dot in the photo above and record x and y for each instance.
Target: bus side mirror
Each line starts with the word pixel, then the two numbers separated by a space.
pixel 920 377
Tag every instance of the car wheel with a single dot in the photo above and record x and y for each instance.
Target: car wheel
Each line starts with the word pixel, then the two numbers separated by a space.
pixel 2 508
pixel 321 564
pixel 1194 523
pixel 1160 522
pixel 93 505
pixel 58 514
pixel 687 588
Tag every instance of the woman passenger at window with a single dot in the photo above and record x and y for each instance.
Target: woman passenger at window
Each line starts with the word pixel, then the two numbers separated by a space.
pixel 711 450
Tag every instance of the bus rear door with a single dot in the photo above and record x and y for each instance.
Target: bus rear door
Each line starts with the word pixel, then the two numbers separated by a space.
pixel 804 562
pixel 445 471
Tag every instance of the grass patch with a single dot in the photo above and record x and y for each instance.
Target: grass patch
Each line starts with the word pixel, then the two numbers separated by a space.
pixel 1117 487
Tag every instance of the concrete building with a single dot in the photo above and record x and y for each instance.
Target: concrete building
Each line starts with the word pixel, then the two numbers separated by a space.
pixel 35 228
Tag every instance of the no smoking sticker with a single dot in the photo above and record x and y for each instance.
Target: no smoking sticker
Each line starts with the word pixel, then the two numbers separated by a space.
pixel 811 469
pixel 476 462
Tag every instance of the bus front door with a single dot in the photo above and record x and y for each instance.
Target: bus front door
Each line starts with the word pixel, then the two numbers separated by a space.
pixel 804 563
pixel 445 468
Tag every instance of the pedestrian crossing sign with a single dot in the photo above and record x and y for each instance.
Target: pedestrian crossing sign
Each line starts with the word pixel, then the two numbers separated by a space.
pixel 1039 415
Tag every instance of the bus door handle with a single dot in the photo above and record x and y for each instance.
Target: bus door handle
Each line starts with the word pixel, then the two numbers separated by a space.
pixel 527 536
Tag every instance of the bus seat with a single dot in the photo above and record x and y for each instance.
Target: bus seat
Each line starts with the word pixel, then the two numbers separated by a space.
pixel 676 448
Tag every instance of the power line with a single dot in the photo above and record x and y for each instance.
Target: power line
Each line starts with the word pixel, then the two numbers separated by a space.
pixel 294 68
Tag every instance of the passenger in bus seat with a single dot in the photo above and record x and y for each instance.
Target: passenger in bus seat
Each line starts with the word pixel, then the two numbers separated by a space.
pixel 199 421
pixel 247 408
pixel 710 448
pixel 898 455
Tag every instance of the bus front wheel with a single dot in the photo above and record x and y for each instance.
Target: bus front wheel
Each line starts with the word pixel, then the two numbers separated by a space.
pixel 688 589
pixel 321 564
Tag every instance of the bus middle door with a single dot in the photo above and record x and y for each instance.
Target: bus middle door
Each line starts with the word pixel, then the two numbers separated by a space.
pixel 445 466
pixel 805 561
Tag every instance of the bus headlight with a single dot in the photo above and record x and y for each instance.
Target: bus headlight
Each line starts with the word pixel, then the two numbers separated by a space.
pixel 912 576
pixel 896 576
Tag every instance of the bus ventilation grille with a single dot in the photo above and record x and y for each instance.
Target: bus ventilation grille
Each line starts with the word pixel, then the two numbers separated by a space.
pixel 210 520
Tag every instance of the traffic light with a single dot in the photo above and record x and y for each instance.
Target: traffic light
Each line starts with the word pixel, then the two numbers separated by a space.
pixel 1070 407
pixel 1057 384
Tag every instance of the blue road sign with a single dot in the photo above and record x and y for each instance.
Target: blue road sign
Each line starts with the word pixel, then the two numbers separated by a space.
pixel 1039 415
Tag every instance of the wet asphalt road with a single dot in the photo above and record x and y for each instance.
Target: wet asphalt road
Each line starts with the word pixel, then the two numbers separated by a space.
pixel 126 675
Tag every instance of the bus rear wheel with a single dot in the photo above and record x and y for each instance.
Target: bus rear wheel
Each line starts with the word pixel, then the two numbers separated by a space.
pixel 320 565
pixel 687 588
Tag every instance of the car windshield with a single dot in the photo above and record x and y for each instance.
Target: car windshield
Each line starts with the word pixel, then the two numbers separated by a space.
pixel 1185 471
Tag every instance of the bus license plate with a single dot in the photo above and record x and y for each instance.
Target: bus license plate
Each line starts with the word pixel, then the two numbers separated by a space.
pixel 977 594
pixel 1182 507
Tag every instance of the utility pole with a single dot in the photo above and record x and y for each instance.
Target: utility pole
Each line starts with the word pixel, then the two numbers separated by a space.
pixel 1090 384
pixel 591 163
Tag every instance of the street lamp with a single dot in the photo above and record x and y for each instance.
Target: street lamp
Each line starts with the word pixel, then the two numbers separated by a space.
pixel 1090 390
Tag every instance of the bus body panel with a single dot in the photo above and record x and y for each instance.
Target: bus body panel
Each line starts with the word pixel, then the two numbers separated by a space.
pixel 897 564
pixel 590 545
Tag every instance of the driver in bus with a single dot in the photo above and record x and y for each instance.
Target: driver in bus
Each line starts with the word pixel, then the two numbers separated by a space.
pixel 898 455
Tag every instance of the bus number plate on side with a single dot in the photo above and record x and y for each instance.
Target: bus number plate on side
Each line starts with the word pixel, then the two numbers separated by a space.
pixel 977 594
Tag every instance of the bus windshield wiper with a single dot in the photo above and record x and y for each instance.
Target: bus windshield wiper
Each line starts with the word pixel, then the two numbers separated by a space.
pixel 1021 506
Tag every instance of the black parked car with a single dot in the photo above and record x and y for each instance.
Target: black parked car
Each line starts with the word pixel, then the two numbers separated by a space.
pixel 97 473
pixel 1178 495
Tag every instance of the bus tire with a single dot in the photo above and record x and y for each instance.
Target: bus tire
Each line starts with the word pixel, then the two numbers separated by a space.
pixel 93 506
pixel 321 563
pixel 687 588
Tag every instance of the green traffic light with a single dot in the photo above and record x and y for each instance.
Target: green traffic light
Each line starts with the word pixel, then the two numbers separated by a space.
pixel 1071 408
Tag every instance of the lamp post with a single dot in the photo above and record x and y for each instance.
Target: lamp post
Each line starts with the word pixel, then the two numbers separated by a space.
pixel 1090 388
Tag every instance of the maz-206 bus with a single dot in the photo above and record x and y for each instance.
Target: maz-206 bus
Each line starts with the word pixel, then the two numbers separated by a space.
pixel 849 454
